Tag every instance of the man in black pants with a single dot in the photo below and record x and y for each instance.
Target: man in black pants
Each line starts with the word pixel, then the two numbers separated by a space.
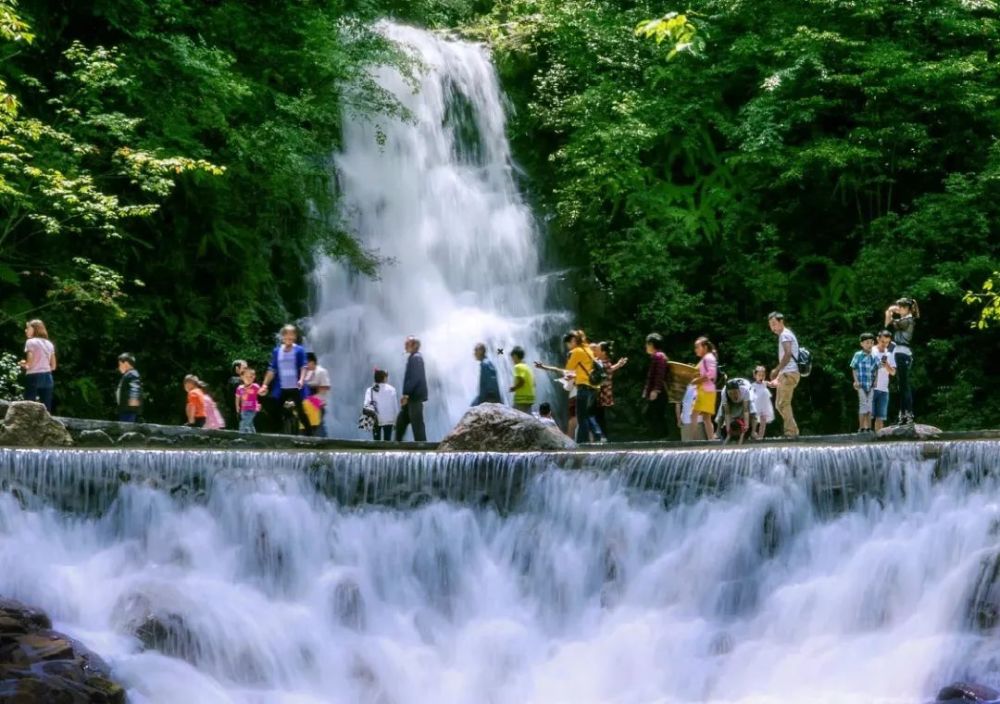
pixel 414 394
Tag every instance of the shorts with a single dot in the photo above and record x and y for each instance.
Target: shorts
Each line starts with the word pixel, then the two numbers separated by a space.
pixel 865 402
pixel 880 404
pixel 705 402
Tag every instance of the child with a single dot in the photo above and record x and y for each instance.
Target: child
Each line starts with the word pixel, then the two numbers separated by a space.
pixel 864 368
pixel 128 395
pixel 524 382
pixel 213 418
pixel 545 415
pixel 247 400
pixel 381 397
pixel 885 360
pixel 692 426
pixel 736 403
pixel 761 397
pixel 708 369
pixel 195 402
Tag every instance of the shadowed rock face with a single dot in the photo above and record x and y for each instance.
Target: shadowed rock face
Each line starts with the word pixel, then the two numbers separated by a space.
pixel 40 665
pixel 910 431
pixel 492 427
pixel 28 424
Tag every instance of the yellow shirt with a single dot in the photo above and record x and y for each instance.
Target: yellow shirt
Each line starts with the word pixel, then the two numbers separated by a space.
pixel 581 363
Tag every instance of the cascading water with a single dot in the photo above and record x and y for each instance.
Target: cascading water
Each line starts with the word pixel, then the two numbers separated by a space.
pixel 434 196
pixel 837 575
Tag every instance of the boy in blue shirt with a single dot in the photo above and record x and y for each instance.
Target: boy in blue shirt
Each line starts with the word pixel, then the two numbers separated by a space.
pixel 864 367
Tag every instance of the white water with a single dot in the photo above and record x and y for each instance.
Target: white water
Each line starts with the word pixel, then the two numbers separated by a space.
pixel 587 592
pixel 436 199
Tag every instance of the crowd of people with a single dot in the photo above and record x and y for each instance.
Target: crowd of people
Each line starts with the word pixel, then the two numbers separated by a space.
pixel 295 388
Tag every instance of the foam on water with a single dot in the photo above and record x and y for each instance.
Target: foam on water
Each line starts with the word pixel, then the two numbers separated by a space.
pixel 840 575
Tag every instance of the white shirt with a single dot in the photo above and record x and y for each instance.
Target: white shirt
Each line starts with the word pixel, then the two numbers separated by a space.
pixel 288 374
pixel 762 399
pixel 787 335
pixel 687 406
pixel 547 420
pixel 316 378
pixel 882 377
pixel 385 401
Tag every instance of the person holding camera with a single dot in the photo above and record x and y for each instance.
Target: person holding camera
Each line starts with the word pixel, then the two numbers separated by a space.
pixel 885 360
pixel 901 319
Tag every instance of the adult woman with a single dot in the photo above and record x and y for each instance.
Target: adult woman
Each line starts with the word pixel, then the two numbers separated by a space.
pixel 286 372
pixel 708 369
pixel 39 363
pixel 580 363
pixel 901 319
pixel 606 394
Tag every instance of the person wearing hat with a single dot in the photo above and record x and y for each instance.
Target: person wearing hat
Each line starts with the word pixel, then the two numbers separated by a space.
pixel 128 396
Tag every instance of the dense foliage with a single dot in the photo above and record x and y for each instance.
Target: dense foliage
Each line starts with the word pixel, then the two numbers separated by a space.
pixel 165 183
pixel 822 157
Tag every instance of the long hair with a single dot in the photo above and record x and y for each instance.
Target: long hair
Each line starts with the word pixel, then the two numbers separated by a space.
pixel 38 329
pixel 911 304
pixel 577 336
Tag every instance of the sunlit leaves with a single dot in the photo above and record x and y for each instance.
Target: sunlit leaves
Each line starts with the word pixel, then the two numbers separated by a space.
pixel 679 31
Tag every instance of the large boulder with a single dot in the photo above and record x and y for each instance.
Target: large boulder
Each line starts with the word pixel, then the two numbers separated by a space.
pixel 40 665
pixel 28 424
pixel 909 431
pixel 967 692
pixel 492 427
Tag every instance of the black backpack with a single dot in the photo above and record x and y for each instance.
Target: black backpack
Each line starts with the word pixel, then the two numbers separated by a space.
pixel 597 372
pixel 805 362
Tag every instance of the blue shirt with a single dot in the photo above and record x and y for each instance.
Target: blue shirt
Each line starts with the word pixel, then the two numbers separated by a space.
pixel 865 364
pixel 489 385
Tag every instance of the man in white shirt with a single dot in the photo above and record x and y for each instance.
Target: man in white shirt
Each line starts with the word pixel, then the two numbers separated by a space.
pixel 786 374
pixel 886 367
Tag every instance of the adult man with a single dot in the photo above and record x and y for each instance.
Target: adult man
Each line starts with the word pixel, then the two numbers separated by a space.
pixel 655 391
pixel 489 385
pixel 414 394
pixel 786 373
pixel 128 396
pixel 318 382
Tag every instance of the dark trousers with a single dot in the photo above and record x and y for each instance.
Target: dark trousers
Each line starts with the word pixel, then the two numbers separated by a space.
pixel 584 411
pixel 656 417
pixel 294 395
pixel 412 412
pixel 128 416
pixel 382 432
pixel 39 387
pixel 903 364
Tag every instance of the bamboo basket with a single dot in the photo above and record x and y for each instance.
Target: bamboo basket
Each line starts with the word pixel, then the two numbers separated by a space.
pixel 679 377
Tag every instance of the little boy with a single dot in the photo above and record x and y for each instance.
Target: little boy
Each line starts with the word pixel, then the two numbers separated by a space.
pixel 885 360
pixel 545 415
pixel 864 367
pixel 524 382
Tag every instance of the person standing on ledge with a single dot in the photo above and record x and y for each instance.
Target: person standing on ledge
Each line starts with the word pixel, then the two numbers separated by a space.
pixel 287 371
pixel 786 374
pixel 489 385
pixel 901 319
pixel 39 363
pixel 318 383
pixel 524 382
pixel 128 396
pixel 414 394
pixel 655 392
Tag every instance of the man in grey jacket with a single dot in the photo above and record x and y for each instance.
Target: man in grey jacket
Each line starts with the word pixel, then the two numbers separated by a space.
pixel 414 394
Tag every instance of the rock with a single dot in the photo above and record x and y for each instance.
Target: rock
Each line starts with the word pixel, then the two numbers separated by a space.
pixel 94 438
pixel 911 431
pixel 349 605
pixel 967 692
pixel 28 424
pixel 154 441
pixel 493 427
pixel 131 438
pixel 40 665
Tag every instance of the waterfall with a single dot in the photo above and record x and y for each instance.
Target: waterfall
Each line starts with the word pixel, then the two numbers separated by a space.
pixel 838 575
pixel 433 195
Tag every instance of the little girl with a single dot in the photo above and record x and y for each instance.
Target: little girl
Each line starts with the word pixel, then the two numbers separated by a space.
pixel 708 369
pixel 761 397
pixel 195 409
pixel 381 397
pixel 247 400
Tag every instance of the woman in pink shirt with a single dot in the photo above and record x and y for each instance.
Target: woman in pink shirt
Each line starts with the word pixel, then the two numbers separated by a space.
pixel 39 362
pixel 708 370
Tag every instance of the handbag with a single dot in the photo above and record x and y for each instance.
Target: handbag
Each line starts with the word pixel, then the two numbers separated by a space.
pixel 369 413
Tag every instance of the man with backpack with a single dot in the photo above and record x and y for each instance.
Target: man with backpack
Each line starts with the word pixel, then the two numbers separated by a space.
pixel 787 374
